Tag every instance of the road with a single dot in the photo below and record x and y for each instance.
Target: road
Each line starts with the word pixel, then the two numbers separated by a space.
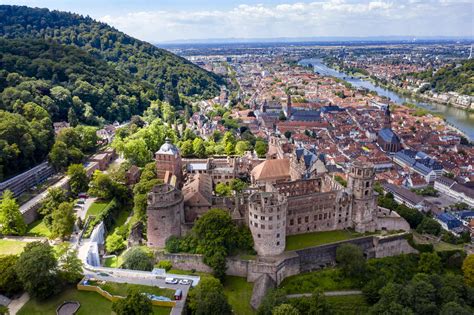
pixel 157 282
pixel 327 293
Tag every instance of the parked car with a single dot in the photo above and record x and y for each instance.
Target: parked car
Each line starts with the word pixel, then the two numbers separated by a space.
pixel 171 280
pixel 185 281
pixel 178 295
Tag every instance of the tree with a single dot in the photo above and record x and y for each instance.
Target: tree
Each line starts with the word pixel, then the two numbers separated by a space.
pixel 272 299
pixel 430 263
pixel 135 303
pixel 63 219
pixel 453 308
pixel 187 148
pixel 58 156
pixel 429 226
pixel 9 282
pixel 53 199
pixel 208 298
pixel 351 259
pixel 287 134
pixel 238 185
pixel 114 243
pixel 101 185
pixel 199 148
pixel 37 270
pixel 285 309
pixel 241 147
pixel 165 264
pixel 468 270
pixel 78 180
pixel 138 258
pixel 137 152
pixel 70 267
pixel 223 190
pixel 72 117
pixel 11 220
pixel 261 148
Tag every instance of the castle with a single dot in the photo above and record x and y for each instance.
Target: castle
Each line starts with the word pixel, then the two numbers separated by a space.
pixel 288 195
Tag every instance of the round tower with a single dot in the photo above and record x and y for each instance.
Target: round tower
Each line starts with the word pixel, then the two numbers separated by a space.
pixel 164 214
pixel 267 222
pixel 361 182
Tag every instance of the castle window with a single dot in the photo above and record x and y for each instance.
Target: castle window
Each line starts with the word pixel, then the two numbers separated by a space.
pixel 339 220
pixel 255 216
pixel 307 229
pixel 346 219
pixel 292 222
pixel 278 235
pixel 320 216
pixel 278 217
pixel 366 192
pixel 163 217
pixel 306 219
pixel 262 226
pixel 262 218
pixel 315 217
pixel 299 220
pixel 270 227
pixel 367 184
pixel 258 235
pixel 255 224
pixel 270 218
pixel 325 216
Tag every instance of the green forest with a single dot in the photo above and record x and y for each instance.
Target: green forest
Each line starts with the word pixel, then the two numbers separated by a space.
pixel 57 66
pixel 457 77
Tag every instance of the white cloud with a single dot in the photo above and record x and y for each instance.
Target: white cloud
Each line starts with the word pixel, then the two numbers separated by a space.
pixel 301 19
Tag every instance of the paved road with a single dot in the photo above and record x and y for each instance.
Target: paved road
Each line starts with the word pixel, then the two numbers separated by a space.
pixel 157 282
pixel 327 293
pixel 17 304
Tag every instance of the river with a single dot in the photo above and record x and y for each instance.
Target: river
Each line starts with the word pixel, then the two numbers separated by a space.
pixel 458 118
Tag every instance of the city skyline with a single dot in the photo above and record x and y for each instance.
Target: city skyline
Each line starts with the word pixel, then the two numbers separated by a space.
pixel 162 21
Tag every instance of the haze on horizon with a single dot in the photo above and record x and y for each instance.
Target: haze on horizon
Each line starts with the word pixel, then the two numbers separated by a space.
pixel 167 20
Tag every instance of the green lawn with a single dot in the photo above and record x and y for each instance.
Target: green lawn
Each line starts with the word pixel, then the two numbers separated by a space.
pixel 91 303
pixel 348 305
pixel 96 208
pixel 11 247
pixel 239 292
pixel 121 289
pixel 38 228
pixel 189 272
pixel 294 242
pixel 329 279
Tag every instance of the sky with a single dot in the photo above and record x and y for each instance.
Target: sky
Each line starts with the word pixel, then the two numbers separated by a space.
pixel 170 20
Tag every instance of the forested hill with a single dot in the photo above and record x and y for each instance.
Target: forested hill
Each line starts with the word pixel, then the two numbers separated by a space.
pixel 62 78
pixel 167 72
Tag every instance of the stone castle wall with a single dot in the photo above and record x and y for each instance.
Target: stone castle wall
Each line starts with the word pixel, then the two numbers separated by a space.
pixel 294 262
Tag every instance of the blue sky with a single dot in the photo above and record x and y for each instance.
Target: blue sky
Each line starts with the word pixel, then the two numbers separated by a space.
pixel 165 20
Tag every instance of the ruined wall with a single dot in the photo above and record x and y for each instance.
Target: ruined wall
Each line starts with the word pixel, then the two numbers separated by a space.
pixel 391 246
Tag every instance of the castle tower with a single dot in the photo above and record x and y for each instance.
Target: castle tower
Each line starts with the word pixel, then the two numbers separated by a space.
pixel 361 182
pixel 164 214
pixel 168 159
pixel 267 222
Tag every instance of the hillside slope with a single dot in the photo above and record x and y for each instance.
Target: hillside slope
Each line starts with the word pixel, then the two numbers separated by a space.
pixel 164 70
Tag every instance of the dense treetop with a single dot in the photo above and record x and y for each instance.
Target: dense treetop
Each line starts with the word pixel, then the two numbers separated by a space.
pixel 166 71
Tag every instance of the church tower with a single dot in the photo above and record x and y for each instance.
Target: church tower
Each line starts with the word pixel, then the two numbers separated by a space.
pixel 364 206
pixel 387 120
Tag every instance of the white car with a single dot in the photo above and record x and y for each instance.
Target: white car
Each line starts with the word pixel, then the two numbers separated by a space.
pixel 171 281
pixel 185 281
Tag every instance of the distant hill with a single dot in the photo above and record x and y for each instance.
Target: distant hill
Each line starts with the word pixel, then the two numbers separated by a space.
pixel 457 78
pixel 167 72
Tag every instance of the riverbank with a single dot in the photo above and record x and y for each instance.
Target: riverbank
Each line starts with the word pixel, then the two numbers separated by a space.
pixel 456 119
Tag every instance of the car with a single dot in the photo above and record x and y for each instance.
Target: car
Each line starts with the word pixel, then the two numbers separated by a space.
pixel 184 281
pixel 171 281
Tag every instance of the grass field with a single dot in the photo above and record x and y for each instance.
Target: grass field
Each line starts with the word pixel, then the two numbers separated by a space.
pixel 38 228
pixel 348 305
pixel 11 247
pixel 91 303
pixel 329 279
pixel 113 262
pixel 96 208
pixel 239 292
pixel 294 242
pixel 121 289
